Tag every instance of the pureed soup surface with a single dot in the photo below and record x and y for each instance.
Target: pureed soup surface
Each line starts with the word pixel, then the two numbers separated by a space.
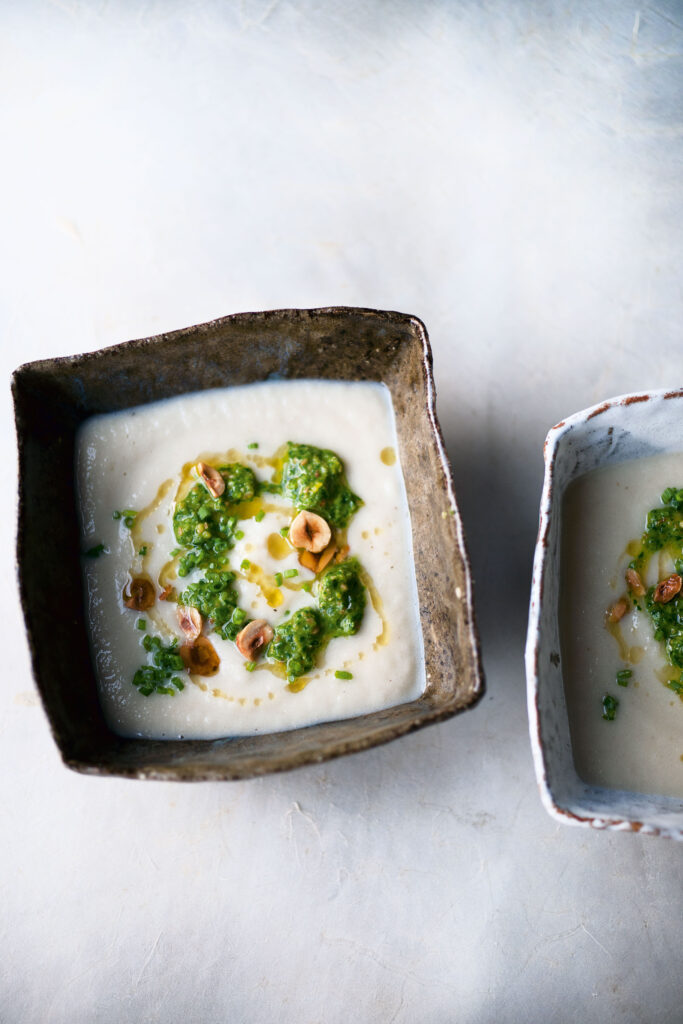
pixel 640 748
pixel 138 467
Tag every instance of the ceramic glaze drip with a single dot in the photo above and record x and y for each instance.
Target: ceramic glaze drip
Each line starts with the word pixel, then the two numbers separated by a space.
pixel 641 749
pixel 126 460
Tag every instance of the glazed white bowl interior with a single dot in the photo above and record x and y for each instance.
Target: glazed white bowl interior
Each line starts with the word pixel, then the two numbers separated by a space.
pixel 623 428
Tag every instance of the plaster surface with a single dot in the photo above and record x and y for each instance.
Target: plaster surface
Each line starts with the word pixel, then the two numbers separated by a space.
pixel 511 173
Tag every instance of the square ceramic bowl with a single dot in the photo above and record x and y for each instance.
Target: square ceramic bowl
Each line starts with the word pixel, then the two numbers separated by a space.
pixel 53 397
pixel 623 428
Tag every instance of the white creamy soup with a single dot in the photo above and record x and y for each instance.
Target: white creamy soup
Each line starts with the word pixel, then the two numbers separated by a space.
pixel 137 469
pixel 638 745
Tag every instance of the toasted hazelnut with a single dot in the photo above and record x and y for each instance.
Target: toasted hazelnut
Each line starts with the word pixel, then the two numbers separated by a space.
pixel 634 582
pixel 309 560
pixel 309 531
pixel 211 478
pixel 190 621
pixel 139 594
pixel 618 610
pixel 253 638
pixel 326 556
pixel 667 589
pixel 200 657
pixel 166 593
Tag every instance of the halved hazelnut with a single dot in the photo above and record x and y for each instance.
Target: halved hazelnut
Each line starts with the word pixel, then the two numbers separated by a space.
pixel 253 638
pixel 310 531
pixel 667 589
pixel 634 582
pixel 190 621
pixel 211 478
pixel 309 560
pixel 200 657
pixel 618 610
pixel 166 593
pixel 139 594
pixel 326 557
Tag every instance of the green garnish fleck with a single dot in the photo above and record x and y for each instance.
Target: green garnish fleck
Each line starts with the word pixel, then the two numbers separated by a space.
pixel 250 665
pixel 96 551
pixel 165 662
pixel 290 573
pixel 128 515
pixel 143 550
pixel 142 624
pixel 623 676
pixel 278 579
pixel 609 707
pixel 259 515
pixel 254 444
pixel 245 564
pixel 343 675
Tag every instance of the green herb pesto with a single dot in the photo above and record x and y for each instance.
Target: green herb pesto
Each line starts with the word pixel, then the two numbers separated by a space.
pixel 664 532
pixel 166 661
pixel 215 598
pixel 314 479
pixel 341 598
pixel 296 642
pixel 207 526
pixel 206 529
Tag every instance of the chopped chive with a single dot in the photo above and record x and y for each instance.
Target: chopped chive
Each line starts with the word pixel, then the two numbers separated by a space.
pixel 95 552
pixel 343 675
pixel 623 676
pixel 259 515
pixel 290 573
pixel 176 551
pixel 250 665
pixel 246 564
pixel 143 550
pixel 239 616
pixel 609 707
pixel 146 690
pixel 117 515
pixel 178 682
pixel 254 444
pixel 308 586
pixel 278 579
pixel 284 532
pixel 239 534
pixel 141 624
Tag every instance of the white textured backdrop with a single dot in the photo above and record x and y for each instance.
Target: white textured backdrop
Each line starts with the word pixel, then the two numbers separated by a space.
pixel 512 174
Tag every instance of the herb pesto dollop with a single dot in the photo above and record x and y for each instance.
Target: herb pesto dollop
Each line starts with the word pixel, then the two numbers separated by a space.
pixel 206 525
pixel 341 598
pixel 296 642
pixel 314 480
